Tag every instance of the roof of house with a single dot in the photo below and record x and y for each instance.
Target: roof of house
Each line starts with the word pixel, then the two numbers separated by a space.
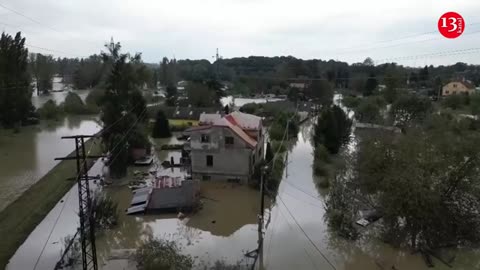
pixel 237 122
pixel 245 120
pixel 468 84
pixel 209 118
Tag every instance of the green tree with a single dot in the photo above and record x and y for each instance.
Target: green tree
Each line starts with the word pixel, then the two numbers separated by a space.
pixel 371 85
pixel 50 110
pixel 368 111
pixel 171 97
pixel 332 129
pixel 454 101
pixel 73 104
pixel 15 89
pixel 475 104
pixel 123 108
pixel 426 185
pixel 159 254
pixel 200 95
pixel 161 128
pixel 321 91
pixel 42 67
pixel 409 108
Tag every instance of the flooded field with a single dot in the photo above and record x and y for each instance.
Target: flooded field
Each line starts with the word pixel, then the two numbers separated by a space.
pixel 28 155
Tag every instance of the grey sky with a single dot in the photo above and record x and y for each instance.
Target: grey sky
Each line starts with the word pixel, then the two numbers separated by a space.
pixel 347 30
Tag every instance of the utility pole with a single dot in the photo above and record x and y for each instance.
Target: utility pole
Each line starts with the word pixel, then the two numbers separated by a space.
pixel 87 222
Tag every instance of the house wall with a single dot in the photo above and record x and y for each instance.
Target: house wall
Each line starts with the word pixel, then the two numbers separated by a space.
pixel 229 161
pixel 454 88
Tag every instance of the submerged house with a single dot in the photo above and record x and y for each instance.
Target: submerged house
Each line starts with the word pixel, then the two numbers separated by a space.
pixel 226 148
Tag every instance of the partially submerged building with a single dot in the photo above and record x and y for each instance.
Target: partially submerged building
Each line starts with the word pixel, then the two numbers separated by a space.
pixel 226 148
pixel 166 193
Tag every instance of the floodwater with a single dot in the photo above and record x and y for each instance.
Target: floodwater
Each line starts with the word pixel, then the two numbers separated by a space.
pixel 28 155
pixel 225 228
pixel 239 102
pixel 58 97
pixel 296 235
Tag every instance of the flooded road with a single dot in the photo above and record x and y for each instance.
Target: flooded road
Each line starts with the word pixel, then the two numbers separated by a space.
pixel 239 102
pixel 28 155
pixel 297 236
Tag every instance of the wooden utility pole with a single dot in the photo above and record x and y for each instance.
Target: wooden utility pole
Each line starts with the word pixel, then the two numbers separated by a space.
pixel 87 221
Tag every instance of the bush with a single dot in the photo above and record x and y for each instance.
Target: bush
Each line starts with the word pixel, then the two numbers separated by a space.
pixel 73 104
pixel 320 169
pixel 105 212
pixel 321 153
pixel 162 254
pixel 50 110
pixel 279 147
pixel 454 101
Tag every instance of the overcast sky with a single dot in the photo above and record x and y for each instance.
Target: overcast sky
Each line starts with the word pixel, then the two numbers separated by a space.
pixel 346 30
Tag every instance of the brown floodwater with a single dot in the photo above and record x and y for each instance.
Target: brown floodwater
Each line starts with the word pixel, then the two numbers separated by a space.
pixel 297 236
pixel 28 155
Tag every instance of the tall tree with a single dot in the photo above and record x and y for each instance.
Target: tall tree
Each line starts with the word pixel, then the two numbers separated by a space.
pixel 42 67
pixel 171 97
pixel 123 108
pixel 332 129
pixel 15 89
pixel 370 85
pixel 321 91
pixel 161 129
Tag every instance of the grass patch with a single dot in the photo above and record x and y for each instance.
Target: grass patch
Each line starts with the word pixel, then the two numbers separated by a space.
pixel 21 217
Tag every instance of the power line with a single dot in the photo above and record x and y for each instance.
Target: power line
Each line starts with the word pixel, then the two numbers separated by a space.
pixel 29 18
pixel 305 233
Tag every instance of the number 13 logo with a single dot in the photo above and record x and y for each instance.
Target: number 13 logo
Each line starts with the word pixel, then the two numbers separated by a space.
pixel 451 25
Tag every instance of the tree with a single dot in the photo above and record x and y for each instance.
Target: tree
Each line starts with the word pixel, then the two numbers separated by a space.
pixel 73 104
pixel 50 110
pixel 424 76
pixel 368 111
pixel 200 95
pixel 123 108
pixel 163 255
pixel 408 108
pixel 321 91
pixel 368 62
pixel 426 185
pixel 475 104
pixel 171 97
pixel 42 67
pixel 15 90
pixel 332 129
pixel 161 128
pixel 454 101
pixel 370 85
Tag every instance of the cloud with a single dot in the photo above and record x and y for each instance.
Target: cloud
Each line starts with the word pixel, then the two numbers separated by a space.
pixel 193 29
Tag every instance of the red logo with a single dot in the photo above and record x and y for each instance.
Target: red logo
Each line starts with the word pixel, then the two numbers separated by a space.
pixel 451 25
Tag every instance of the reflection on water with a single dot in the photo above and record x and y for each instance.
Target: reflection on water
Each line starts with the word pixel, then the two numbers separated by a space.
pixel 27 156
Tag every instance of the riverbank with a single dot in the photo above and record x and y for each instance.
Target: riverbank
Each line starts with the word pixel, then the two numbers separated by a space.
pixel 21 217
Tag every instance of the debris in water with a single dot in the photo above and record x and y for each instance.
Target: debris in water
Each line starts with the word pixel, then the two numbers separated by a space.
pixel 214 221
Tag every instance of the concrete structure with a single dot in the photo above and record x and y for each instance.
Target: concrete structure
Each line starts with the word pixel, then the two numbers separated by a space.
pixel 458 87
pixel 226 148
